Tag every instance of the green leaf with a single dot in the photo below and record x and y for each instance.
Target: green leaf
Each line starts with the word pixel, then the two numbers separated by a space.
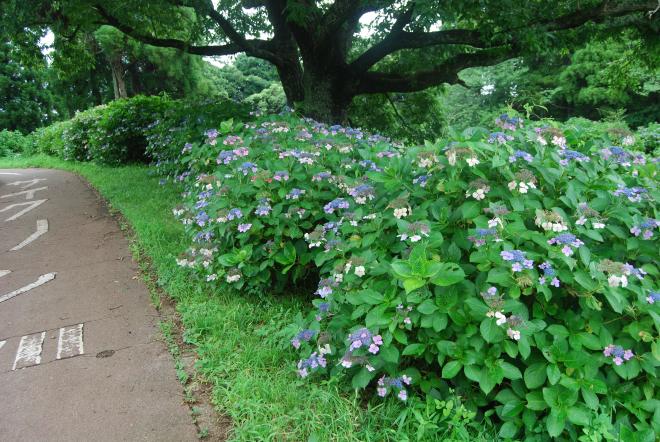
pixel 508 430
pixel 579 415
pixel 448 274
pixel 535 375
pixel 389 353
pixel 555 423
pixel 427 307
pixel 553 374
pixel 362 378
pixel 451 369
pixel 535 401
pixel 410 284
pixel 500 276
pixel 615 298
pixel 490 331
pixel 510 371
pixel 470 210
pixel 585 280
pixel 370 297
pixel 414 349
pixel 401 269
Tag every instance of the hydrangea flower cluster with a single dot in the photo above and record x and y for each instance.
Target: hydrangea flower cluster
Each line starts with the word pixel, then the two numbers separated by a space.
pixel 634 194
pixel 520 154
pixel 518 260
pixel 645 228
pixel 548 272
pixel 653 297
pixel 499 138
pixel 550 221
pixel 568 241
pixel 618 354
pixel 303 336
pixel 387 384
pixel 509 123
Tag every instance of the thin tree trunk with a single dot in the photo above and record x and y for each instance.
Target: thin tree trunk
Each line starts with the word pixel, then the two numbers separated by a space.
pixel 118 84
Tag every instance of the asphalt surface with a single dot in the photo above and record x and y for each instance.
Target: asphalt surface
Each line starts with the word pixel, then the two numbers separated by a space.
pixel 81 357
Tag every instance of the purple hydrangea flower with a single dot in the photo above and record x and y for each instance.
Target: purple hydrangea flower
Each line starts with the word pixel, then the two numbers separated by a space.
pixel 521 154
pixel 339 203
pixel 518 260
pixel 304 335
pixel 234 214
pixel 314 361
pixel 634 194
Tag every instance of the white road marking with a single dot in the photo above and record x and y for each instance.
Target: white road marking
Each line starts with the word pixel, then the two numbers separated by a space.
pixel 2 344
pixel 42 227
pixel 29 351
pixel 29 194
pixel 4 273
pixel 10 173
pixel 31 205
pixel 28 183
pixel 70 342
pixel 42 280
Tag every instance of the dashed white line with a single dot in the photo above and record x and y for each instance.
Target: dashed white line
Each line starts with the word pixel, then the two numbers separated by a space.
pixel 31 205
pixel 42 227
pixel 2 344
pixel 10 173
pixel 28 183
pixel 70 342
pixel 4 273
pixel 29 351
pixel 42 280
pixel 29 194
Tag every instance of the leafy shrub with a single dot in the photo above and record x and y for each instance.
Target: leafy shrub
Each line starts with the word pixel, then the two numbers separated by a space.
pixel 184 122
pixel 80 133
pixel 516 267
pixel 49 140
pixel 12 142
pixel 119 134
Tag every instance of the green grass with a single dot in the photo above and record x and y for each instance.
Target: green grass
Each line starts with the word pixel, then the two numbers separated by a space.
pixel 240 349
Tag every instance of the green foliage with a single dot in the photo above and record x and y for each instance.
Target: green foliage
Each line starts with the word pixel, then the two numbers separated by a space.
pixel 50 140
pixel 184 122
pixel 13 142
pixel 25 102
pixel 517 268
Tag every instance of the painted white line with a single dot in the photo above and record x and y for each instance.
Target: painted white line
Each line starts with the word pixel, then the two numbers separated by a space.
pixel 42 227
pixel 70 342
pixel 10 173
pixel 28 183
pixel 31 205
pixel 29 194
pixel 4 273
pixel 2 344
pixel 42 280
pixel 29 351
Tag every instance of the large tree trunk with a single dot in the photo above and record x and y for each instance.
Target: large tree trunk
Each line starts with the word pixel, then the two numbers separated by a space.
pixel 327 94
pixel 118 84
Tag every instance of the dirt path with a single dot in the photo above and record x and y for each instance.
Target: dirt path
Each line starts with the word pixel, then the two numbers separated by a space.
pixel 80 353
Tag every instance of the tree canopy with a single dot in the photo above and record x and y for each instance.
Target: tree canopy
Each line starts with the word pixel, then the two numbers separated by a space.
pixel 323 54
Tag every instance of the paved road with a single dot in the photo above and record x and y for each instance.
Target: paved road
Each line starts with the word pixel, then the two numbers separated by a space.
pixel 80 356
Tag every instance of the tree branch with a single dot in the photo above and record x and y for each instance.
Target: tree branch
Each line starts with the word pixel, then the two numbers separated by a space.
pixel 397 40
pixel 446 72
pixel 227 49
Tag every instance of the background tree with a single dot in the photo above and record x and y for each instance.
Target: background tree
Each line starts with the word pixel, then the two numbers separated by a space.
pixel 322 61
pixel 25 101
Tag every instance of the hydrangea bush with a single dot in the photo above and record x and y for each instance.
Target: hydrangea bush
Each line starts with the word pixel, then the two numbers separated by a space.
pixel 516 266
